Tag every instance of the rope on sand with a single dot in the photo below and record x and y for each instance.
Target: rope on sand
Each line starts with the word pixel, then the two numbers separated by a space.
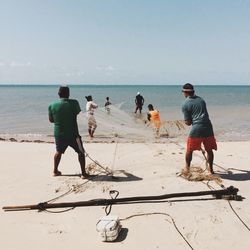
pixel 90 166
pixel 106 169
pixel 113 163
pixel 230 204
pixel 247 227
pixel 160 213
pixel 196 174
pixel 222 186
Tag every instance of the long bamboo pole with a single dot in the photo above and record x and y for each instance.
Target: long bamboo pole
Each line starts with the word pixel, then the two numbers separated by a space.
pixel 230 191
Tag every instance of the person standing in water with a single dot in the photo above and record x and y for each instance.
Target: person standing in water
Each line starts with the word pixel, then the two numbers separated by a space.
pixel 139 101
pixel 107 105
pixel 63 113
pixel 195 114
pixel 90 107
pixel 154 116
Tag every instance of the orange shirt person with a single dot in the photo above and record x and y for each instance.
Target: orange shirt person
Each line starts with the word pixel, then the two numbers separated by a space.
pixel 154 116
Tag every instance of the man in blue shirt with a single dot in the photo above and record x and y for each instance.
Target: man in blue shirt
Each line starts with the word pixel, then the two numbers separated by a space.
pixel 195 114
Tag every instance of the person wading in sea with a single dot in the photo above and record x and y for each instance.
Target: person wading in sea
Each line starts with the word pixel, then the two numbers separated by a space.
pixel 154 116
pixel 90 107
pixel 107 105
pixel 139 101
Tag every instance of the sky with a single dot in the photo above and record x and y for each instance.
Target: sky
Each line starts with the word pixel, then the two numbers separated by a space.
pixel 125 41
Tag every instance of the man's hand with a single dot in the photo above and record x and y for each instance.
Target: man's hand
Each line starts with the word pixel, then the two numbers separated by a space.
pixel 51 119
pixel 188 122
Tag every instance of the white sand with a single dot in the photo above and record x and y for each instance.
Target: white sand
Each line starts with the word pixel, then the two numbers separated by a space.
pixel 26 178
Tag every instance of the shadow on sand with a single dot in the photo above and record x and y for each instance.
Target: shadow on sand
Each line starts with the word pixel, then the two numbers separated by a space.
pixel 122 235
pixel 124 178
pixel 238 175
pixel 109 178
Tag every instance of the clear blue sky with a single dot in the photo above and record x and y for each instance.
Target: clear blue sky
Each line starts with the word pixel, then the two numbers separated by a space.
pixel 125 41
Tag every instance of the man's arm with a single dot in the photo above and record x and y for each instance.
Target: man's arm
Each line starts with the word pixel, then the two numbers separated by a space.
pixel 187 115
pixel 94 105
pixel 77 107
pixel 149 116
pixel 51 119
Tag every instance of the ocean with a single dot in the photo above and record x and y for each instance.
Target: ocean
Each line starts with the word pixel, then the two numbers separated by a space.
pixel 24 110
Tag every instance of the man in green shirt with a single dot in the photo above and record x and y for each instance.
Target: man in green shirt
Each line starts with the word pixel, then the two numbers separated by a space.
pixel 63 113
pixel 195 114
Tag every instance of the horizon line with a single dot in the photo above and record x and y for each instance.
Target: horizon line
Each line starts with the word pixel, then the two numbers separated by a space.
pixel 117 84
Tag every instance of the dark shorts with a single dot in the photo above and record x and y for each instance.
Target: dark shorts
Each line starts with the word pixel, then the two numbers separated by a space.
pixel 62 144
pixel 195 143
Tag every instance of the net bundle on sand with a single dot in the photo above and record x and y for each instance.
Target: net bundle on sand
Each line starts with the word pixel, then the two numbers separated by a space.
pixel 198 174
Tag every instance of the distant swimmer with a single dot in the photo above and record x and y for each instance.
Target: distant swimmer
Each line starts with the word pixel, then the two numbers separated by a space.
pixel 154 116
pixel 139 101
pixel 195 114
pixel 90 107
pixel 63 113
pixel 107 105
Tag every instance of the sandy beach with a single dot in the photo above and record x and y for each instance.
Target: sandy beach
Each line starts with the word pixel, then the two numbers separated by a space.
pixel 140 169
pixel 136 80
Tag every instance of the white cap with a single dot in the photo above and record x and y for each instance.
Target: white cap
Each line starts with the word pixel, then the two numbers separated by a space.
pixel 138 93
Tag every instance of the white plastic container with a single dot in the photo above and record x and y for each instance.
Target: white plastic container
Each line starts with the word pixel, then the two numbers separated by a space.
pixel 109 227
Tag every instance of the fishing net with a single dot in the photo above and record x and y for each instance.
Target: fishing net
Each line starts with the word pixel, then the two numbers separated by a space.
pixel 173 128
pixel 116 123
pixel 198 174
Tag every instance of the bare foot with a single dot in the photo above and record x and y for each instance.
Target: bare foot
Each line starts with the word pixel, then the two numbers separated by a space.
pixel 57 173
pixel 185 171
pixel 211 172
pixel 85 176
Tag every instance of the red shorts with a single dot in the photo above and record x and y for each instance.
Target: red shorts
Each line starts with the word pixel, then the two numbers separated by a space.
pixel 195 143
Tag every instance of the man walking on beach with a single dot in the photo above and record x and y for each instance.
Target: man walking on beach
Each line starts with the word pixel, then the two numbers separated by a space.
pixel 195 114
pixel 139 101
pixel 63 113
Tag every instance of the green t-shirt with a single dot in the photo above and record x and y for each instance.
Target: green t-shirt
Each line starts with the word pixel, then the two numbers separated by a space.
pixel 195 110
pixel 64 113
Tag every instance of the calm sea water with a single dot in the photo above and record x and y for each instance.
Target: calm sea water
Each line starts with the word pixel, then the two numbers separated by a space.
pixel 24 107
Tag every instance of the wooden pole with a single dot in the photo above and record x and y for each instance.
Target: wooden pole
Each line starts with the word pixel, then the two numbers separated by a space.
pixel 218 194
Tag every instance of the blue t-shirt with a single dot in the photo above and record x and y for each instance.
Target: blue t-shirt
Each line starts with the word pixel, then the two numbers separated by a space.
pixel 195 110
